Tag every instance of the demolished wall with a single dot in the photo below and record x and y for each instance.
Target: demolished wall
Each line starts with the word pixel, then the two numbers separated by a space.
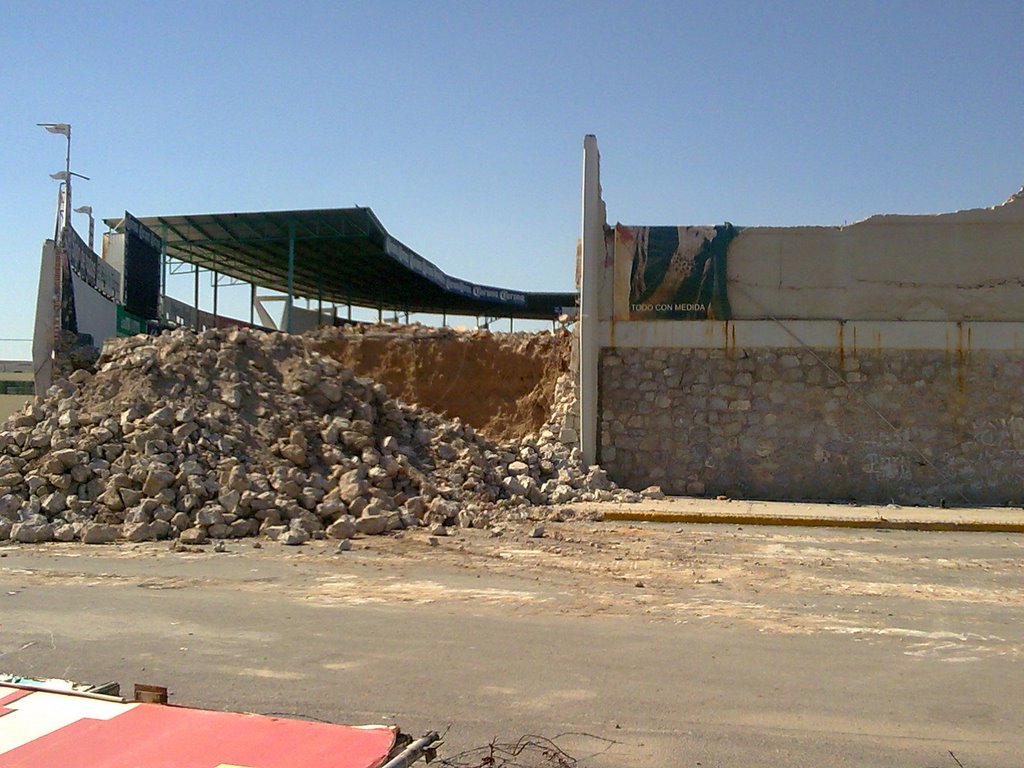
pixel 233 433
pixel 758 392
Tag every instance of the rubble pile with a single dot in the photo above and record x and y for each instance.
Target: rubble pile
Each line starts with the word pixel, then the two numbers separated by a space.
pixel 234 433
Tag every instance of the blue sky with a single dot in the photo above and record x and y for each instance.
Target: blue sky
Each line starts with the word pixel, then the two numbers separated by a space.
pixel 461 123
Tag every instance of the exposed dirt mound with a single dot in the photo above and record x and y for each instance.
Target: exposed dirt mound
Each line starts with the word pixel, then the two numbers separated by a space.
pixel 503 384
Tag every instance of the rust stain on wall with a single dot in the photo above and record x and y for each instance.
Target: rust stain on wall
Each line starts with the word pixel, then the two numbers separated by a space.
pixel 961 357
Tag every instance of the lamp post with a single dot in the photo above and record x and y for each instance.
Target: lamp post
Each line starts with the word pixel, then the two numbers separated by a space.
pixel 87 209
pixel 64 212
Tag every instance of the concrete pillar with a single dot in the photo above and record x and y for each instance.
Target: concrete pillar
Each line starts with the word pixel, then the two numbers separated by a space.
pixel 593 254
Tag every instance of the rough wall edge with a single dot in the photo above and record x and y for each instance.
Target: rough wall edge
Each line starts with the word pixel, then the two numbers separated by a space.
pixel 592 267
pixel 45 320
pixel 850 336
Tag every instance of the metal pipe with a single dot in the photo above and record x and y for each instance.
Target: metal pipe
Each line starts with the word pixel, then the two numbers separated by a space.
pixel 67 189
pixel 414 751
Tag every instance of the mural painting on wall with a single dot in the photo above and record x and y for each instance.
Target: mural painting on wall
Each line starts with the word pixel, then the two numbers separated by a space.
pixel 678 273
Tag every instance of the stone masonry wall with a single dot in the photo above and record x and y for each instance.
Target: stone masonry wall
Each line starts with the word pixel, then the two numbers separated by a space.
pixel 776 423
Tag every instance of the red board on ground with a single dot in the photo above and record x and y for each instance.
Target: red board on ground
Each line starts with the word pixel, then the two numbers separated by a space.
pixel 44 728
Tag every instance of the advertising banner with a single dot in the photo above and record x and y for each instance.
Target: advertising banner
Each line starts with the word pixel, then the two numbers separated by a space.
pixel 676 273
pixel 421 266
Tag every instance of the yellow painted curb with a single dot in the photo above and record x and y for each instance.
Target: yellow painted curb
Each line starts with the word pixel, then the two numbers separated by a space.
pixel 815 522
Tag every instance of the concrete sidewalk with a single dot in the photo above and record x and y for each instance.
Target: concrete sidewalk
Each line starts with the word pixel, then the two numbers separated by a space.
pixel 740 512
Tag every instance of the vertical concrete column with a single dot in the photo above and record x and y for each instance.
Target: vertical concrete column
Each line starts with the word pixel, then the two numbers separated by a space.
pixel 590 276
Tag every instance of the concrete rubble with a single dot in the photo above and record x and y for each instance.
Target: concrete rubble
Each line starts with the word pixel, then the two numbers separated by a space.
pixel 235 433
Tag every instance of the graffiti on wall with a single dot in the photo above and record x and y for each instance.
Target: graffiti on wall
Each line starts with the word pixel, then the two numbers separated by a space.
pixel 677 273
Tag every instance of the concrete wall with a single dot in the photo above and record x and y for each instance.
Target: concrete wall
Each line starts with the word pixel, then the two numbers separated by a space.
pixel 956 266
pixel 881 361
pixel 967 265
pixel 910 426
pixel 45 328
pixel 95 313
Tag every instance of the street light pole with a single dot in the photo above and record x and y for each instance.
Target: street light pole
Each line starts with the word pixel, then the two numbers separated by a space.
pixel 64 129
pixel 92 222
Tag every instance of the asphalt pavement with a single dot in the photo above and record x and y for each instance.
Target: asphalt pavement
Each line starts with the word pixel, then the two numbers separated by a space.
pixel 494 652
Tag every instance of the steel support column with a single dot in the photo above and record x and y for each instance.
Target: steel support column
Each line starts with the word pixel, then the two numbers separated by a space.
pixel 163 265
pixel 291 277
pixel 195 295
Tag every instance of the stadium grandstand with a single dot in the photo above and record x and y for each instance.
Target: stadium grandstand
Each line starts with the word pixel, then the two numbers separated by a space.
pixel 336 259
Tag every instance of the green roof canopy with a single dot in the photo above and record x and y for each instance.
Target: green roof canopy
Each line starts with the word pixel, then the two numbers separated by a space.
pixel 341 255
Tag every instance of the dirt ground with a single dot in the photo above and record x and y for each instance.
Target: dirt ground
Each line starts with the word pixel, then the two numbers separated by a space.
pixel 776 580
pixel 705 645
pixel 501 384
pixel 785 580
